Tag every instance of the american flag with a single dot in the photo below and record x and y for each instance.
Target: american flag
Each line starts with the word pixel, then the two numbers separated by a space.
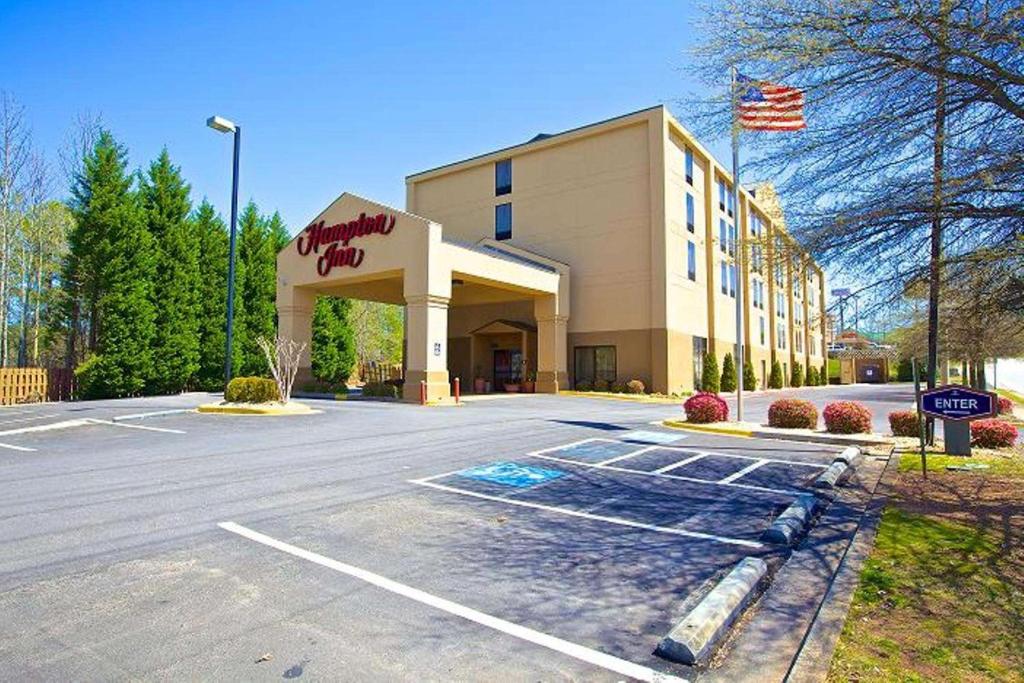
pixel 769 106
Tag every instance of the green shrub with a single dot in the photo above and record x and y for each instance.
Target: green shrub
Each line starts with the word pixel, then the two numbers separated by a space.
pixel 728 382
pixel 775 378
pixel 252 390
pixel 380 390
pixel 584 385
pixel 796 375
pixel 813 378
pixel 602 385
pixel 749 378
pixel 792 413
pixel 635 386
pixel 709 378
pixel 905 371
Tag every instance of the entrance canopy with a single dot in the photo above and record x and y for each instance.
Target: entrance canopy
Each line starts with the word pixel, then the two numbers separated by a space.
pixel 360 249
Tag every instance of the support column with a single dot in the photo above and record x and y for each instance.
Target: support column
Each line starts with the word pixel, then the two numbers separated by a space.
pixel 295 322
pixel 426 347
pixel 552 346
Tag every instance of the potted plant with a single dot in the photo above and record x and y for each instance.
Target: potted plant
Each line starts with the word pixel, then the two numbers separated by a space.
pixel 530 383
pixel 479 383
pixel 512 387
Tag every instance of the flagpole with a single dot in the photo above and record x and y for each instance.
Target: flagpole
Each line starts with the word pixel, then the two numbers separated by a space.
pixel 740 363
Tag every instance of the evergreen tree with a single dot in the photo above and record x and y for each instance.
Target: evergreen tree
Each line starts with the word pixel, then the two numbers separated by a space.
pixel 121 249
pixel 333 353
pixel 165 201
pixel 212 236
pixel 775 378
pixel 824 373
pixel 728 383
pixel 257 283
pixel 279 235
pixel 796 375
pixel 709 376
pixel 807 377
pixel 749 378
pixel 813 378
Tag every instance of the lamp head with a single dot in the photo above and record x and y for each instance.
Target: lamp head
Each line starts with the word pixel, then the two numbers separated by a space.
pixel 220 124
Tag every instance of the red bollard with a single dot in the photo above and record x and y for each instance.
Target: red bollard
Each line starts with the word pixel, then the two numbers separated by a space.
pixel 457 389
pixel 423 392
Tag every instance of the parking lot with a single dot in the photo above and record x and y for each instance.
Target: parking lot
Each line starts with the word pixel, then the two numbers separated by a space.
pixel 534 538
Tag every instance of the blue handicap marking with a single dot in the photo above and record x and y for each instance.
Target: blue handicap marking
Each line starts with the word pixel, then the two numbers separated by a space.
pixel 511 474
pixel 641 436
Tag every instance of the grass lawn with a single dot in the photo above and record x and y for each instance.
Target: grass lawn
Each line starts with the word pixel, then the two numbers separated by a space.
pixel 942 595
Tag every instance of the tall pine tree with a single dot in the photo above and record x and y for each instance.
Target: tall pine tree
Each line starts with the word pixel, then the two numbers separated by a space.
pixel 257 282
pixel 113 240
pixel 212 236
pixel 334 345
pixel 165 201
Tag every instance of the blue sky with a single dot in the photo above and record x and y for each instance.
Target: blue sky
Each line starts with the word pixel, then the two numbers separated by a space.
pixel 335 96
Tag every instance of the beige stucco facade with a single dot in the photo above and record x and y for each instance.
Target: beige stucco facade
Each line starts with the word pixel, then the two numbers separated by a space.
pixel 607 203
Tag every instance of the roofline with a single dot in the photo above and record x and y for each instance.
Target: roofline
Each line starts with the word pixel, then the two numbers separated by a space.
pixel 528 143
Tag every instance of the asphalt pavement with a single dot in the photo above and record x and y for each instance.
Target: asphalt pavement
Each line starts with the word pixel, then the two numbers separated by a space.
pixel 372 540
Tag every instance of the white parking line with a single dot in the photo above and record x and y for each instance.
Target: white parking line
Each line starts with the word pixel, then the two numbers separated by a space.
pixel 600 518
pixel 28 419
pixel 742 473
pixel 585 654
pixel 674 465
pixel 17 448
pixel 65 424
pixel 678 477
pixel 93 420
pixel 617 458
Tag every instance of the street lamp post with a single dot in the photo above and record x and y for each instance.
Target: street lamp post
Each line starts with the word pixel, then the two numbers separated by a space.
pixel 222 125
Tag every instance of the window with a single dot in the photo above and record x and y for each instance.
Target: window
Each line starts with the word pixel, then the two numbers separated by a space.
pixel 503 221
pixel 798 340
pixel 700 349
pixel 732 240
pixel 732 203
pixel 721 195
pixel 595 364
pixel 690 213
pixel 723 239
pixel 780 335
pixel 689 166
pixel 732 281
pixel 798 315
pixel 780 305
pixel 503 177
pixel 761 319
pixel 691 261
pixel 723 272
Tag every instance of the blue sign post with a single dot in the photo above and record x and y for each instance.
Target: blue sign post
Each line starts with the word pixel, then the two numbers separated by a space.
pixel 956 406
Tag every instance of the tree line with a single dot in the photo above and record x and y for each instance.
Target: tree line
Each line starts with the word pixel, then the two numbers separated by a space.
pixel 125 281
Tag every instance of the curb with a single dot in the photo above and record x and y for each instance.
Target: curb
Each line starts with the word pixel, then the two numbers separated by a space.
pixel 697 634
pixel 788 526
pixel 852 456
pixel 321 396
pixel 693 427
pixel 632 398
pixel 215 409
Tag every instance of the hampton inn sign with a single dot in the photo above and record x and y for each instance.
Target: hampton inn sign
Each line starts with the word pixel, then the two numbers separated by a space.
pixel 335 238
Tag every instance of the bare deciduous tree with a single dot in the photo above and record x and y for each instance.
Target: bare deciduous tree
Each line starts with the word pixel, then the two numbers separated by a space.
pixel 283 358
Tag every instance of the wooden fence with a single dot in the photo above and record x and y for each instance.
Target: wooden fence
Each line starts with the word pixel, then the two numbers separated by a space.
pixel 379 372
pixel 33 385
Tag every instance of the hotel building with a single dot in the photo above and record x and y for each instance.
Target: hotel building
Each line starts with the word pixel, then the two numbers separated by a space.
pixel 600 254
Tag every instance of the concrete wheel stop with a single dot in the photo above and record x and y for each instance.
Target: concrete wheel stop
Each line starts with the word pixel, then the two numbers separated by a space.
pixel 697 635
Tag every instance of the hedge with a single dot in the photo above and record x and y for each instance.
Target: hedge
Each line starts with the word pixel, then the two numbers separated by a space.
pixel 847 417
pixel 993 434
pixel 252 390
pixel 904 423
pixel 1005 406
pixel 792 413
pixel 380 390
pixel 635 386
pixel 705 407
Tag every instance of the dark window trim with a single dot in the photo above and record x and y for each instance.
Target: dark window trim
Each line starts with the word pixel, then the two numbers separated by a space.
pixel 500 190
pixel 502 235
